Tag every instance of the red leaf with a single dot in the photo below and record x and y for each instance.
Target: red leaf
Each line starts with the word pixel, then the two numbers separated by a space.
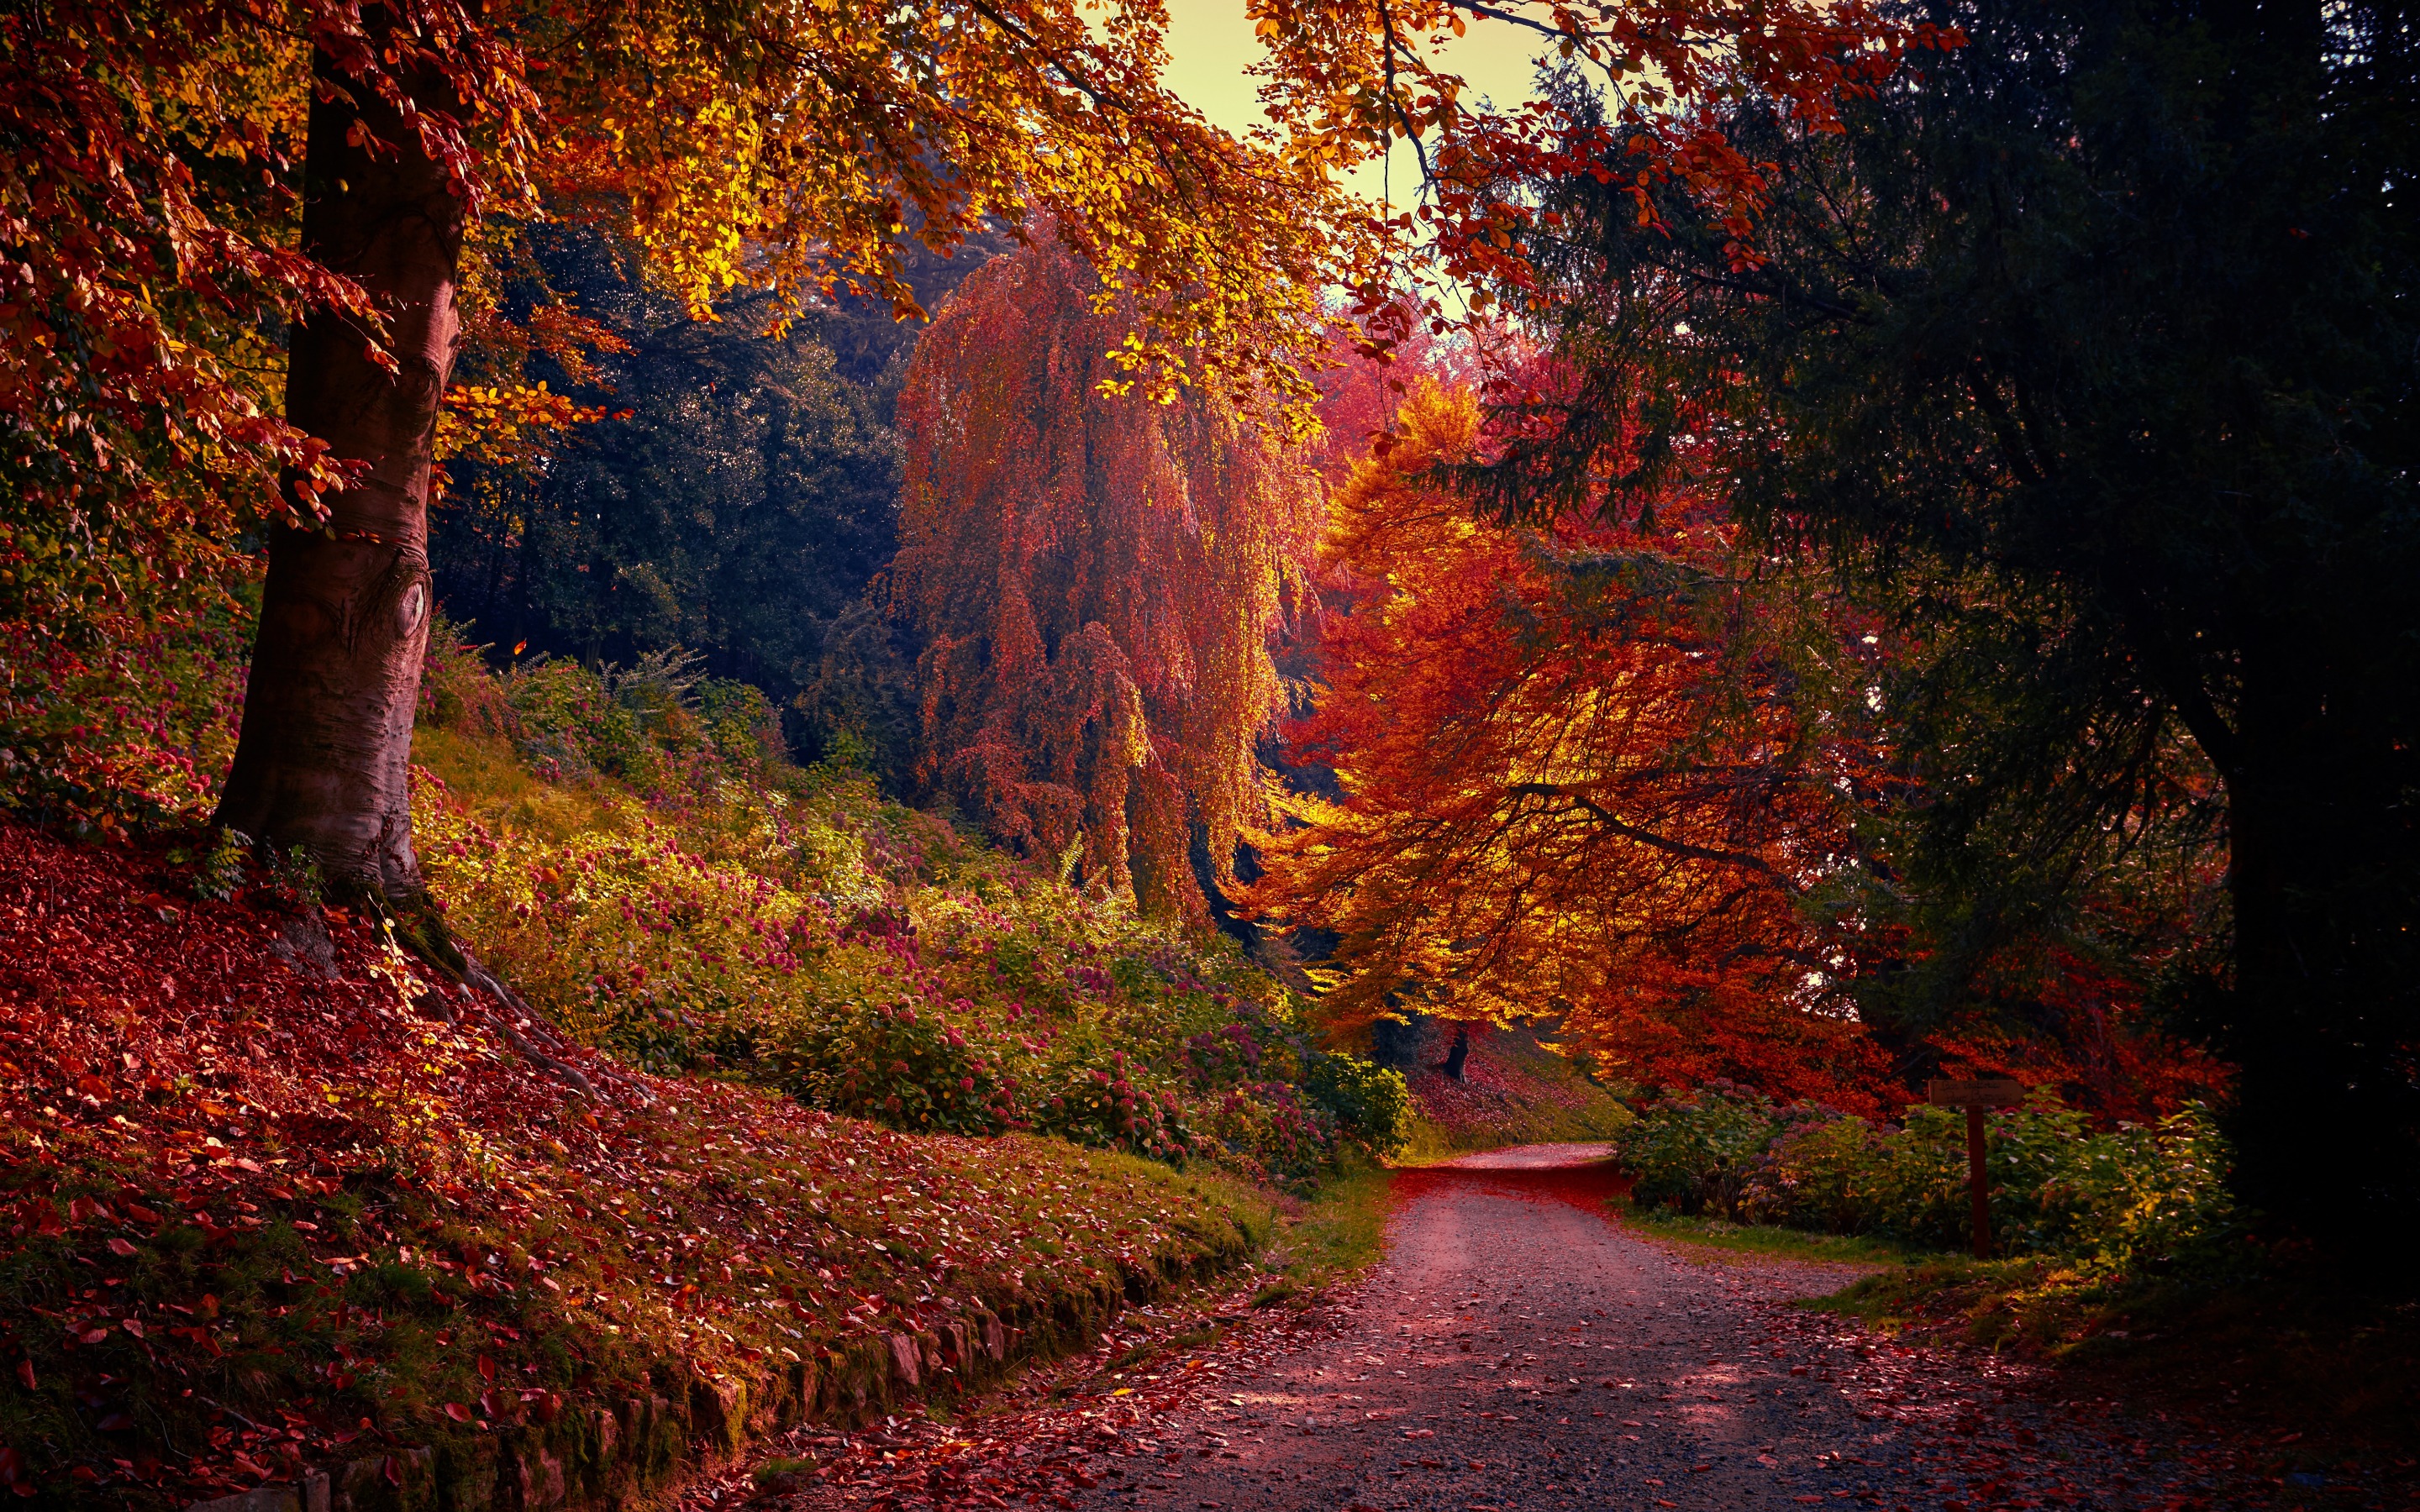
pixel 121 1248
pixel 26 1373
pixel 455 1410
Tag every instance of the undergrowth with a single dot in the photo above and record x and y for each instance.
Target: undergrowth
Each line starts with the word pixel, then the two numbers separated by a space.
pixel 263 1213
pixel 1515 1090
pixel 631 849
pixel 2134 1200
pixel 1330 1237
pixel 276 1194
pixel 1766 1239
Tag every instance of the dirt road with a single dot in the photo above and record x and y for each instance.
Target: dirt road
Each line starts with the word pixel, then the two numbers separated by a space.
pixel 1518 1349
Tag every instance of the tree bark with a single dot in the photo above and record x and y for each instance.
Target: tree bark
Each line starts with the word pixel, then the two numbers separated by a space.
pixel 1459 1054
pixel 323 755
pixel 2323 1021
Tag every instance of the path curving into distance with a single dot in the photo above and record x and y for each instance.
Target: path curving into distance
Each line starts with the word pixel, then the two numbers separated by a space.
pixel 1517 1350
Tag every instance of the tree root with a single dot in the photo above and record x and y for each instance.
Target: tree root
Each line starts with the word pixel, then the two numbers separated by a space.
pixel 420 927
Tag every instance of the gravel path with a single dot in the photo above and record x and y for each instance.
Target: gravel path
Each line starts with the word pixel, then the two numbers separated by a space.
pixel 1518 1350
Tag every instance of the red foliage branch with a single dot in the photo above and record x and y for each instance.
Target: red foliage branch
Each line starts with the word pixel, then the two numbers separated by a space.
pixel 1574 784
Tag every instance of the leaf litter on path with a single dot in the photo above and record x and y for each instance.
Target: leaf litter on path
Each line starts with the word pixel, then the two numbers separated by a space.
pixel 1516 1352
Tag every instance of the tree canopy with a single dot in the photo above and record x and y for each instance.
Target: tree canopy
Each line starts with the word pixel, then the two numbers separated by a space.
pixel 1574 785
pixel 2079 353
pixel 734 498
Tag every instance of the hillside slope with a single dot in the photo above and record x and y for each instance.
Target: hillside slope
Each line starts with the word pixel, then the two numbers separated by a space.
pixel 1514 1089
pixel 280 1204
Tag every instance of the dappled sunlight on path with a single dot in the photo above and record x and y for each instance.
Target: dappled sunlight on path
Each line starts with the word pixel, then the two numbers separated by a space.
pixel 1517 1349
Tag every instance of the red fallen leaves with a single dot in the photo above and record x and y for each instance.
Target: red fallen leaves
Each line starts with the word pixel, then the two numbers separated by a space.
pixel 247 1103
pixel 1053 1430
pixel 1981 1425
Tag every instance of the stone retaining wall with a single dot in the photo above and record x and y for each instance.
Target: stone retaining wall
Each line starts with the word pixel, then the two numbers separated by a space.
pixel 601 1456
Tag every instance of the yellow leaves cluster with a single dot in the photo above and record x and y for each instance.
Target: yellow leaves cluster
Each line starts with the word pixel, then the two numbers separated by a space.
pixel 508 423
pixel 798 148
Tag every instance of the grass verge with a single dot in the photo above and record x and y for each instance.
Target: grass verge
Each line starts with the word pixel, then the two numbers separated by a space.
pixel 1761 1239
pixel 1515 1090
pixel 1329 1237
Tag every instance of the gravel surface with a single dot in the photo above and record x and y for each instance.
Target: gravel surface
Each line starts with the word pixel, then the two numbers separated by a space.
pixel 1519 1350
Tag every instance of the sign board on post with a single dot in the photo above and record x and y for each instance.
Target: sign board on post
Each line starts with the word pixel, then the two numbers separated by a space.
pixel 1974 1097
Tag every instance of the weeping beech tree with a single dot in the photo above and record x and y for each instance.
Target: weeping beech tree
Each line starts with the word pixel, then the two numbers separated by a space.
pixel 1094 577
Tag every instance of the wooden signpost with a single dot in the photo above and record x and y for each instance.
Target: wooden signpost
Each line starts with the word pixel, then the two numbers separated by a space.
pixel 1974 1097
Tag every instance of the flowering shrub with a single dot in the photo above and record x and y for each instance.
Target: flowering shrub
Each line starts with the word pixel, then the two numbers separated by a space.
pixel 2141 1193
pixel 706 906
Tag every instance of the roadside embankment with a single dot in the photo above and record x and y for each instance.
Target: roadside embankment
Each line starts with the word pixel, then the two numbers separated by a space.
pixel 285 1218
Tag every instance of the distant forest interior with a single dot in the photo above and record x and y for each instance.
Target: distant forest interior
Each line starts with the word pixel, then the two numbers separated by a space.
pixel 735 502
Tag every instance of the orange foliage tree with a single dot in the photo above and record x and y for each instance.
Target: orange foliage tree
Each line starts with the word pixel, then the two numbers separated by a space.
pixel 1576 784
pixel 1094 577
pixel 183 175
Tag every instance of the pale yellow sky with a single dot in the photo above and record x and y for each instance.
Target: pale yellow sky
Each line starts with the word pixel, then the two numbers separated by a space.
pixel 1210 44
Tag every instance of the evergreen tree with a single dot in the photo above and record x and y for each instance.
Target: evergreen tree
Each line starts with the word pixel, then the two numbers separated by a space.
pixel 2085 350
pixel 738 500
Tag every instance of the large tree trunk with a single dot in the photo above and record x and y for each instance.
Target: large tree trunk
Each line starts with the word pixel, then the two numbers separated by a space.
pixel 2323 1023
pixel 322 757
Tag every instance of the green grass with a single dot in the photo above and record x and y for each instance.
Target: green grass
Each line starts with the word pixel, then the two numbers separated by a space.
pixel 1762 1238
pixel 1978 1298
pixel 1331 1237
pixel 498 788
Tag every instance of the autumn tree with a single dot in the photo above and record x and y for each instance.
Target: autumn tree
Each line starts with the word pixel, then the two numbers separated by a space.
pixel 1094 578
pixel 1574 784
pixel 185 172
pixel 2081 352
pixel 1348 78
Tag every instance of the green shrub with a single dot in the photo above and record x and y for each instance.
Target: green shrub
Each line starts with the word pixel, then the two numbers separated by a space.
pixel 1371 1105
pixel 2116 1200
pixel 708 906
pixel 1691 1150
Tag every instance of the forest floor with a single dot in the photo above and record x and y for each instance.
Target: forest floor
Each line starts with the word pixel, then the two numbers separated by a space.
pixel 268 1205
pixel 1519 1347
